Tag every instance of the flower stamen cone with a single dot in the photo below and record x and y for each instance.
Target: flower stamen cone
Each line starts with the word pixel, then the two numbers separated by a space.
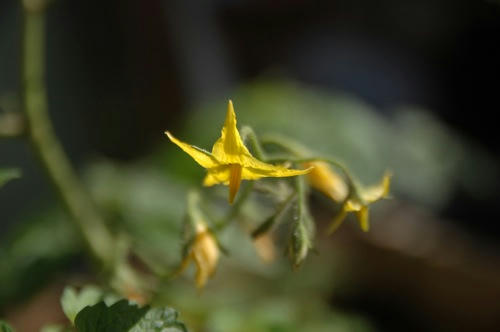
pixel 234 181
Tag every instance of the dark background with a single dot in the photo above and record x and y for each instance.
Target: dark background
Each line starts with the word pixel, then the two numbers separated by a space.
pixel 121 67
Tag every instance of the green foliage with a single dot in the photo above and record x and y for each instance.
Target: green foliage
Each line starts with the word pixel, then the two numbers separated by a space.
pixel 123 316
pixel 72 302
pixel 8 174
pixel 4 327
pixel 55 328
pixel 41 245
pixel 119 317
pixel 159 320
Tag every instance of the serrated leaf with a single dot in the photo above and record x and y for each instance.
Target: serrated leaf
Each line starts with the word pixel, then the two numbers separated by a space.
pixel 4 327
pixel 73 302
pixel 119 317
pixel 8 174
pixel 302 230
pixel 160 320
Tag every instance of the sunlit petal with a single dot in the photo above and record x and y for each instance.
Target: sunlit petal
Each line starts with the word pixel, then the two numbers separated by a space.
pixel 374 193
pixel 217 175
pixel 363 218
pixel 229 148
pixel 337 221
pixel 202 157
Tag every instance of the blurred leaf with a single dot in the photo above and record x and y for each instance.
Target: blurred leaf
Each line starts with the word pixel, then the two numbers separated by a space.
pixel 73 302
pixel 41 246
pixel 8 174
pixel 161 320
pixel 55 328
pixel 119 317
pixel 123 316
pixel 4 327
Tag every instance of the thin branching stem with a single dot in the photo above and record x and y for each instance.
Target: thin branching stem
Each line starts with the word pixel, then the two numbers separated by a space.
pixel 235 207
pixel 250 136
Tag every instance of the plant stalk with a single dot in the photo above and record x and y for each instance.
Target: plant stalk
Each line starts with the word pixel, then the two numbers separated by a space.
pixel 47 147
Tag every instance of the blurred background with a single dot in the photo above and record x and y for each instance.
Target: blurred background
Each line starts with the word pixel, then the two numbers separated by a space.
pixel 410 86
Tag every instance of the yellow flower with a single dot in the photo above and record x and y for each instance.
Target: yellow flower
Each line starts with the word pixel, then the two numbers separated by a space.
pixel 325 180
pixel 230 161
pixel 204 251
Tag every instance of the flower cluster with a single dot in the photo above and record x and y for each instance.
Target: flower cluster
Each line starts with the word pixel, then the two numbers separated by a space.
pixel 230 162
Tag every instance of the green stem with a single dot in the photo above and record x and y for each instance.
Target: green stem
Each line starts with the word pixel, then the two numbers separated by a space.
pixel 248 134
pixel 47 147
pixel 302 230
pixel 298 153
pixel 235 207
pixel 274 219
pixel 194 214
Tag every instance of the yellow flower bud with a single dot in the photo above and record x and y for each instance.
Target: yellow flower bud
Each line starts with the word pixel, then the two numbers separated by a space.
pixel 204 251
pixel 325 180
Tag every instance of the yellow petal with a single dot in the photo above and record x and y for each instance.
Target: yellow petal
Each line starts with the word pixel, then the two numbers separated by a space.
pixel 229 148
pixel 337 221
pixel 260 170
pixel 217 175
pixel 352 205
pixel 363 219
pixel 202 157
pixel 374 193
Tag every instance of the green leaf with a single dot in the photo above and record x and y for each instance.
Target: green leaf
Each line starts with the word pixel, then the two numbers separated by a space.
pixel 4 327
pixel 72 302
pixel 119 317
pixel 302 230
pixel 160 319
pixel 55 328
pixel 8 174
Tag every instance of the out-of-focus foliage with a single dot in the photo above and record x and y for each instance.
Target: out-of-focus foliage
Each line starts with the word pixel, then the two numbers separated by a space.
pixel 8 174
pixel 93 309
pixel 73 302
pixel 4 327
pixel 41 246
pixel 159 320
pixel 118 317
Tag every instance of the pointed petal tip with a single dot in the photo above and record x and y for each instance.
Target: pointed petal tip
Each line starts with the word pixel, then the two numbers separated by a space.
pixel 230 108
pixel 309 169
